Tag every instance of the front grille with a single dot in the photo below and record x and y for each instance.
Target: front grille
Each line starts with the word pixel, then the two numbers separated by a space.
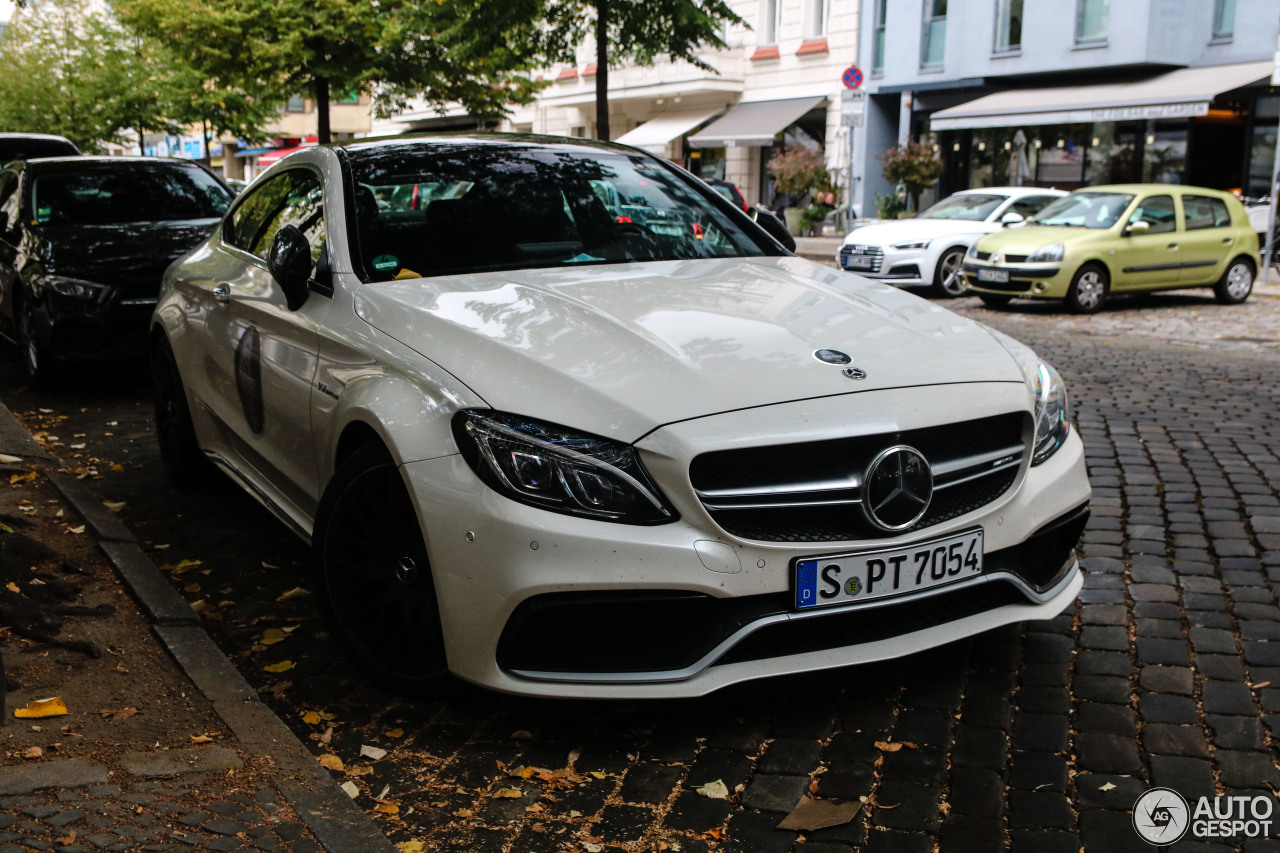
pixel 851 250
pixel 810 492
pixel 1016 259
pixel 982 256
pixel 1011 286
pixel 867 625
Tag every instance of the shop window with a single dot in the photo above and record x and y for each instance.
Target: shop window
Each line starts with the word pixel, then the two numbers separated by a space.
pixel 1204 212
pixel 933 36
pixel 1164 152
pixel 1062 155
pixel 770 21
pixel 1157 212
pixel 818 11
pixel 1262 146
pixel 1113 153
pixel 1091 21
pixel 1008 25
pixel 877 37
pixel 1224 18
pixel 295 104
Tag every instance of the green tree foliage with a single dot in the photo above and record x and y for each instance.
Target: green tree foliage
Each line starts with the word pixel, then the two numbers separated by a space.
pixel 914 166
pixel 473 52
pixel 798 171
pixel 639 31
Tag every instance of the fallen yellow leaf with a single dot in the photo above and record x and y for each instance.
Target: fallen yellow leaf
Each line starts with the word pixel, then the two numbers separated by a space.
pixel 201 739
pixel 331 761
pixel 271 636
pixel 394 733
pixel 33 752
pixel 411 847
pixel 79 528
pixel 311 718
pixel 296 592
pixel 13 587
pixel 283 666
pixel 22 478
pixel 52 707
pixel 508 794
pixel 116 466
pixel 114 506
pixel 596 774
pixel 387 808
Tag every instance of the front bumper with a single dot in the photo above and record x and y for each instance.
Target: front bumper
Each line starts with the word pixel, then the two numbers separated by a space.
pixel 81 331
pixel 890 265
pixel 542 604
pixel 1030 281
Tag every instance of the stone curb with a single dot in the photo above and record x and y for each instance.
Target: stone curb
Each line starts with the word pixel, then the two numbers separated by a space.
pixel 332 816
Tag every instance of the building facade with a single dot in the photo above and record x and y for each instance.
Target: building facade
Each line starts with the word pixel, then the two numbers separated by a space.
pixel 778 83
pixel 1071 93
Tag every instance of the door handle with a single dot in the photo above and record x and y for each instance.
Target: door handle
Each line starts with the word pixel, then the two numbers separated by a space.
pixel 222 293
pixel 1226 239
pixel 1172 246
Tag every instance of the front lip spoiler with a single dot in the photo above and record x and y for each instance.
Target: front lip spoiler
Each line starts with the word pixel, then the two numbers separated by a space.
pixel 712 656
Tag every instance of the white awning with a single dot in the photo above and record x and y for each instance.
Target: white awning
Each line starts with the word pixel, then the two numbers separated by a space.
pixel 655 133
pixel 753 124
pixel 1183 93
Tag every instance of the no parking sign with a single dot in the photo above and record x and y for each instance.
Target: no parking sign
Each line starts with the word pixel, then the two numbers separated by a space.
pixel 852 77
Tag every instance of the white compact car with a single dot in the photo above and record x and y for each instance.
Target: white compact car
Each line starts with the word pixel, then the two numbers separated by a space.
pixel 560 420
pixel 929 248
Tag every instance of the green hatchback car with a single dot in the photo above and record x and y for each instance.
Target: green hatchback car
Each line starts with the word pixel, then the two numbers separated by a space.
pixel 1115 239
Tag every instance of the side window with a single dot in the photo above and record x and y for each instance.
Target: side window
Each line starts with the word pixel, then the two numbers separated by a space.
pixel 9 197
pixel 1158 211
pixel 1030 205
pixel 292 198
pixel 1204 212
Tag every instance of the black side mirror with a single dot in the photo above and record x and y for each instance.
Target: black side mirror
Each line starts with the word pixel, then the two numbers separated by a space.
pixel 290 264
pixel 773 226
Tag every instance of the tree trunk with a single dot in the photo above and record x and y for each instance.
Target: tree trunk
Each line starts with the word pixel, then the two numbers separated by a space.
pixel 322 110
pixel 602 70
pixel 208 158
pixel 142 142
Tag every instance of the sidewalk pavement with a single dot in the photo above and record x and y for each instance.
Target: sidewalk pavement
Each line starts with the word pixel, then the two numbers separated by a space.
pixel 164 746
pixel 823 250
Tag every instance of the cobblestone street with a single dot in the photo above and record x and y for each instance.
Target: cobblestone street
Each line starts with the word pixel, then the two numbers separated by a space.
pixel 1036 738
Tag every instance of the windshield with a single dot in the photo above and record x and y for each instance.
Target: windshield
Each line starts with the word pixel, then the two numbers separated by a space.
pixel 972 206
pixel 1084 210
pixel 115 193
pixel 468 207
pixel 18 148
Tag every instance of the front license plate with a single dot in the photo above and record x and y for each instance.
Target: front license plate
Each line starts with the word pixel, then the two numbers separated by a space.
pixel 1001 276
pixel 867 575
pixel 860 262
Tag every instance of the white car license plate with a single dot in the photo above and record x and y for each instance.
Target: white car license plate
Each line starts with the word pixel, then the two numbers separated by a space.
pixel 867 575
pixel 860 262
pixel 1001 276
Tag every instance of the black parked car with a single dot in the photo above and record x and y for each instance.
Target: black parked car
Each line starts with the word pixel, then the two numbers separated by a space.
pixel 84 242
pixel 28 146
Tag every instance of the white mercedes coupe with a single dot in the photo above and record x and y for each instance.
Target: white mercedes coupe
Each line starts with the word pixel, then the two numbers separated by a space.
pixel 559 420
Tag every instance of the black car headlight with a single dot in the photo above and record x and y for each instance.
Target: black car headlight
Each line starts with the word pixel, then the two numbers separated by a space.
pixel 1053 411
pixel 559 469
pixel 75 288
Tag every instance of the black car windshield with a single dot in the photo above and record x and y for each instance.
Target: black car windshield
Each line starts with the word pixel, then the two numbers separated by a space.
pixel 1084 210
pixel 972 206
pixel 111 193
pixel 446 208
pixel 18 148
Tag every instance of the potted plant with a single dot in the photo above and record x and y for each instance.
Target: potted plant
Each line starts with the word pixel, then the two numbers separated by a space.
pixel 914 166
pixel 797 173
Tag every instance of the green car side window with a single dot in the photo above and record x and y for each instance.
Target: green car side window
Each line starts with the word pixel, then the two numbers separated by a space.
pixel 1158 212
pixel 1205 212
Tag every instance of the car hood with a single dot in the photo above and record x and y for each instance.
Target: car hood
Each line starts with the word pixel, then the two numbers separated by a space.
pixel 1025 240
pixel 132 255
pixel 622 349
pixel 887 233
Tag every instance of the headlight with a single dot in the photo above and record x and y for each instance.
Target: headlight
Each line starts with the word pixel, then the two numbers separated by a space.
pixel 1045 254
pixel 558 469
pixel 911 244
pixel 1053 411
pixel 75 288
pixel 973 250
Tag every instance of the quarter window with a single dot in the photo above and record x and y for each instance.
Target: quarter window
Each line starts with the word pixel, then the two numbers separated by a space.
pixel 1091 20
pixel 1158 212
pixel 1205 212
pixel 1008 25
pixel 934 36
pixel 293 198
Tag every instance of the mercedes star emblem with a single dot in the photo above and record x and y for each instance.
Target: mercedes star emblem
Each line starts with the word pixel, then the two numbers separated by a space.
pixel 897 488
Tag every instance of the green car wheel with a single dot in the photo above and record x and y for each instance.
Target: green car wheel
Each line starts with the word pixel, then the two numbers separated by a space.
pixel 1088 290
pixel 1236 283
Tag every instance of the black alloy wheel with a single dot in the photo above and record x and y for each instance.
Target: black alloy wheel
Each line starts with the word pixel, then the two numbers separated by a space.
pixel 184 462
pixel 374 576
pixel 37 362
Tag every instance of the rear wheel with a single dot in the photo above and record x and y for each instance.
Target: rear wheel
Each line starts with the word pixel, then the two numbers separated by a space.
pixel 180 452
pixel 992 300
pixel 1088 290
pixel 1236 283
pixel 37 361
pixel 374 575
pixel 948 278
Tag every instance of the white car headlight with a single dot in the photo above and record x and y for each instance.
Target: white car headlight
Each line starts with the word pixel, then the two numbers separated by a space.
pixel 973 250
pixel 1053 410
pixel 911 244
pixel 1045 254
pixel 559 469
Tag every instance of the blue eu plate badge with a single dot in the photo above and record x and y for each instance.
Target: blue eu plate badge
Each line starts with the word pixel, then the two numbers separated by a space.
pixel 806 583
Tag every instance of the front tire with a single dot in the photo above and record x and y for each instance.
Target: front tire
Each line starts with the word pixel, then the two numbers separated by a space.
pixel 180 454
pixel 37 361
pixel 1088 290
pixel 948 278
pixel 374 576
pixel 1236 283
